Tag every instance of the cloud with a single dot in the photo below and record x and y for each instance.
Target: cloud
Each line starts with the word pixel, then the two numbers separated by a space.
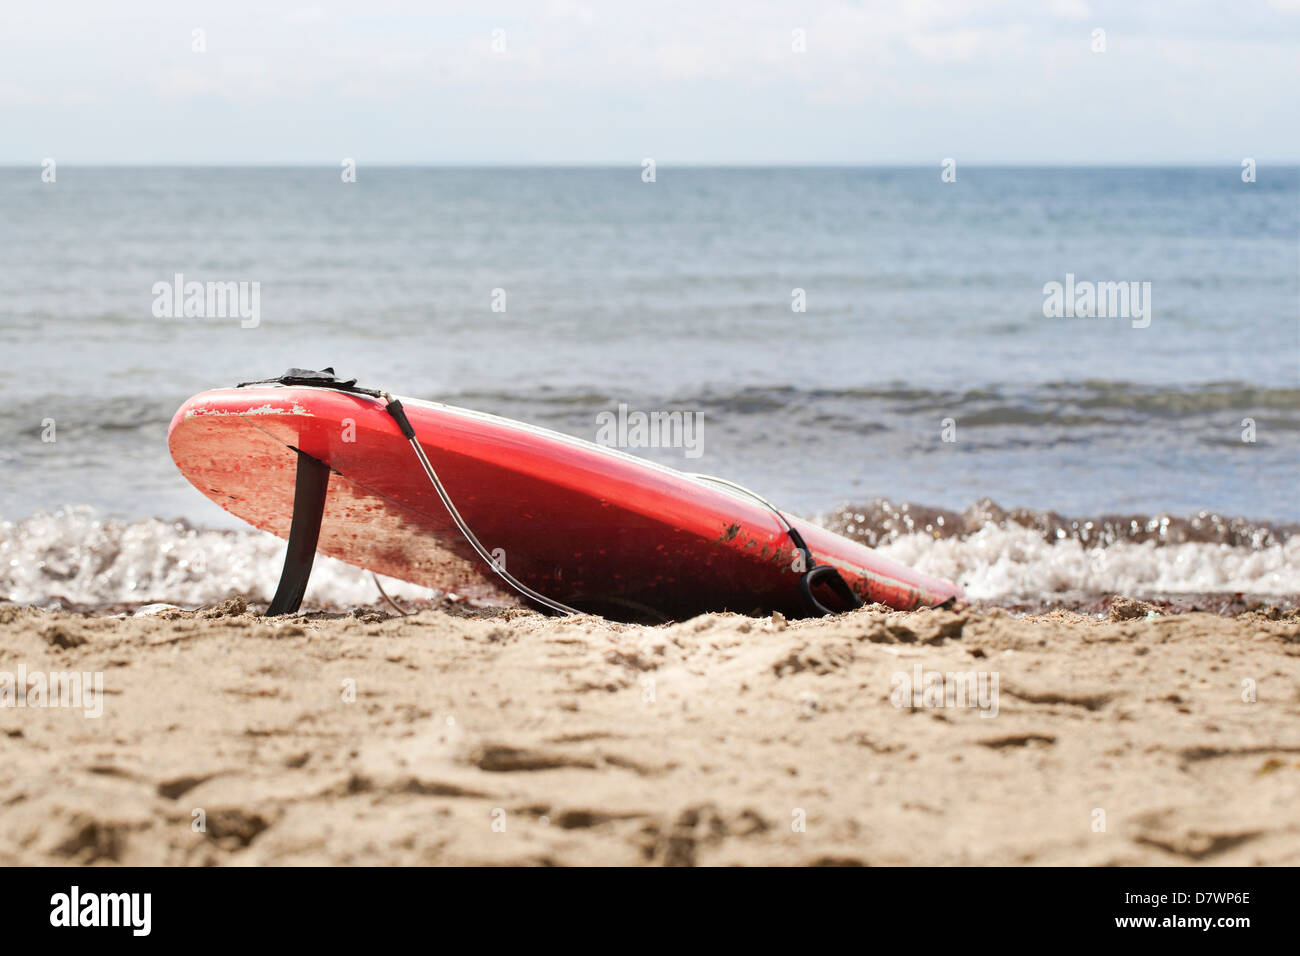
pixel 958 45
pixel 1071 9
pixel 12 95
pixel 992 77
pixel 303 16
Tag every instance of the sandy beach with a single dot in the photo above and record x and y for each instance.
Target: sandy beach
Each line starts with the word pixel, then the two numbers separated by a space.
pixel 499 736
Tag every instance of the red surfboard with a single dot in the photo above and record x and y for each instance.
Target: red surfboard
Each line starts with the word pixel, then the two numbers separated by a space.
pixel 588 526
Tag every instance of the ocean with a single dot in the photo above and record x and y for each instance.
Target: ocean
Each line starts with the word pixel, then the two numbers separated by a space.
pixel 857 344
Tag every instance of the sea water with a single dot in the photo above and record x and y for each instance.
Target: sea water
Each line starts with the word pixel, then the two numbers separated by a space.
pixel 837 335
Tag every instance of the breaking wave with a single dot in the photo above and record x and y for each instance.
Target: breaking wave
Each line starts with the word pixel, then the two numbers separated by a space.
pixel 75 558
pixel 1024 554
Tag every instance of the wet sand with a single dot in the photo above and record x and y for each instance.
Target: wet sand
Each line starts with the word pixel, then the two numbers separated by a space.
pixel 503 737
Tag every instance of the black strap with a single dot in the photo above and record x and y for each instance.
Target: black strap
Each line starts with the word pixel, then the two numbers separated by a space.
pixel 325 378
pixel 831 577
pixel 824 573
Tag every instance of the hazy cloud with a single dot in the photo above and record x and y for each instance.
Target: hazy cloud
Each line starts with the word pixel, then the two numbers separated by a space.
pixel 985 80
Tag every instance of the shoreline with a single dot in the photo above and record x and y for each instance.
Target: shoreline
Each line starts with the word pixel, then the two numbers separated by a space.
pixel 1100 605
pixel 1028 560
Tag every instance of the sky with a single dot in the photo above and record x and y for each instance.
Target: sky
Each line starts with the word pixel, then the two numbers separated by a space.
pixel 679 81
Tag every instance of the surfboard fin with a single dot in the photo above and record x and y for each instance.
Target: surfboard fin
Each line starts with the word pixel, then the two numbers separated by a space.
pixel 309 489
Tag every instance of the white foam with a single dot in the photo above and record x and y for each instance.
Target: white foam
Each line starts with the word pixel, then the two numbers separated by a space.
pixel 1013 561
pixel 75 556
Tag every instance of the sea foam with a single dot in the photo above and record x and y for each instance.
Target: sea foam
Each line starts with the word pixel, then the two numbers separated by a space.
pixel 1006 562
pixel 74 556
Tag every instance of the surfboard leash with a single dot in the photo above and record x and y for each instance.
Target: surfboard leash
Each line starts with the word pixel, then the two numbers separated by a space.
pixel 395 410
pixel 813 572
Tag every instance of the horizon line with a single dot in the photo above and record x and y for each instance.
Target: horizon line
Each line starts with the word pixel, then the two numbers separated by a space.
pixel 636 164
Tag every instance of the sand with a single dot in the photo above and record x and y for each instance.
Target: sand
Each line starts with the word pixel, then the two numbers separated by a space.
pixel 504 737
